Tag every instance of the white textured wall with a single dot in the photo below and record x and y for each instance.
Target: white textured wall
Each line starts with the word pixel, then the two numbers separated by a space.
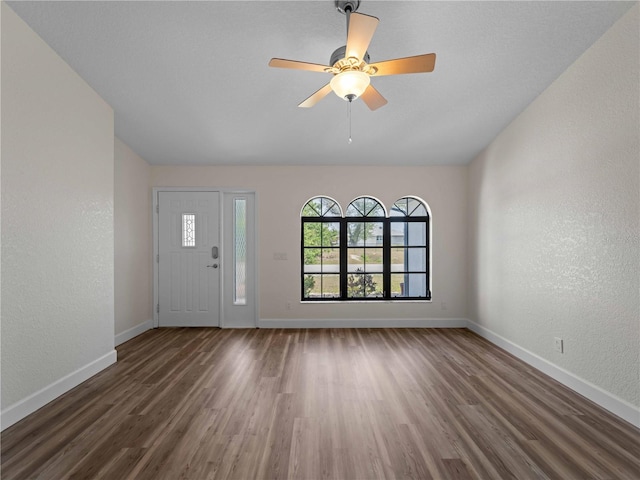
pixel 281 193
pixel 57 217
pixel 133 241
pixel 554 220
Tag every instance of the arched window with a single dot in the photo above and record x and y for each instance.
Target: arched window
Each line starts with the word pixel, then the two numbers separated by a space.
pixel 366 207
pixel 365 255
pixel 409 207
pixel 409 242
pixel 321 207
pixel 365 241
pixel 321 218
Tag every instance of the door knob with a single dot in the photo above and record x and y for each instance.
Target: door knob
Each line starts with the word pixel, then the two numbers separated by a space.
pixel 215 265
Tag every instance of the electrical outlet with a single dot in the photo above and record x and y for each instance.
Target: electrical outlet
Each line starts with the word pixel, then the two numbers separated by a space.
pixel 559 344
pixel 288 305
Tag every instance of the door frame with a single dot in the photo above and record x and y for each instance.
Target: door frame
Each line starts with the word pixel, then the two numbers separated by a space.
pixel 224 192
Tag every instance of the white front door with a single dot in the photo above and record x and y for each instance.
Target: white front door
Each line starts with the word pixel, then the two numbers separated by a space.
pixel 189 259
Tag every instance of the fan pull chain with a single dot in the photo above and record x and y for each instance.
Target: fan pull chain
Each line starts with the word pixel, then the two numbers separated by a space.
pixel 349 119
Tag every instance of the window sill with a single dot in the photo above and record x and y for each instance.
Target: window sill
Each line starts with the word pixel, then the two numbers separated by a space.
pixel 348 302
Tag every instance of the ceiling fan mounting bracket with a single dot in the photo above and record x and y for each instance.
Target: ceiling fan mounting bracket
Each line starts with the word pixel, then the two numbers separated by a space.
pixel 347 5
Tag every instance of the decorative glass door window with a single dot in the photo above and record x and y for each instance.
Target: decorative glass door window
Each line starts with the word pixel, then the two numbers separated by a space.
pixel 188 229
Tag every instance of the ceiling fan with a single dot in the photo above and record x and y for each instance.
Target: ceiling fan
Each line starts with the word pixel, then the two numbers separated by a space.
pixel 350 65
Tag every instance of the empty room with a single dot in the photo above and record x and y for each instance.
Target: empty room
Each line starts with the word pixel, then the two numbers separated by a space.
pixel 318 239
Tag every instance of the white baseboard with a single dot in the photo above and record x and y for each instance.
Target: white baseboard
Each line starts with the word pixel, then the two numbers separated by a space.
pixel 606 400
pixel 362 323
pixel 133 332
pixel 33 402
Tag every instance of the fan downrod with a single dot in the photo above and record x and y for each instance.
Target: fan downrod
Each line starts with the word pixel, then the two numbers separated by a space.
pixel 345 7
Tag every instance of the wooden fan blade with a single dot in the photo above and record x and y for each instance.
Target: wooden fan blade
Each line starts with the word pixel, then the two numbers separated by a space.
pixel 361 29
pixel 372 98
pixel 316 97
pixel 418 64
pixel 282 63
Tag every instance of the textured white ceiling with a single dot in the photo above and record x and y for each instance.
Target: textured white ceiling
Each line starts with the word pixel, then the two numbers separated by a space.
pixel 189 81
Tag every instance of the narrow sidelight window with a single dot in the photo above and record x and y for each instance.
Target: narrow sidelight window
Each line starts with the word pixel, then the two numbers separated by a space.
pixel 240 251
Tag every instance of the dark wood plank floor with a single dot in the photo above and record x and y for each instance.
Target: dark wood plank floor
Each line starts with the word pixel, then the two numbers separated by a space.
pixel 316 404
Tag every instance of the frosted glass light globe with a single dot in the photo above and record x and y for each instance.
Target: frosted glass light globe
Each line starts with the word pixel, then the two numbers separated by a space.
pixel 350 82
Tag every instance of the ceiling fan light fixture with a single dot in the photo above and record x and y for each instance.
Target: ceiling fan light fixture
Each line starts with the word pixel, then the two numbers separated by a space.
pixel 350 84
pixel 350 66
